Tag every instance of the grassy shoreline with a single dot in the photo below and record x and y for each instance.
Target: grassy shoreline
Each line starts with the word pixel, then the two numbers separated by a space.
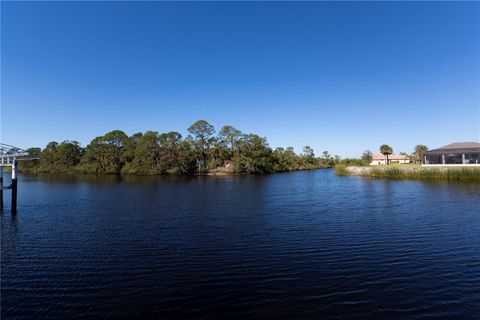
pixel 412 172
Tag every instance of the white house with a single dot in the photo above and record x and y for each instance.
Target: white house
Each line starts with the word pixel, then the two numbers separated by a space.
pixel 378 159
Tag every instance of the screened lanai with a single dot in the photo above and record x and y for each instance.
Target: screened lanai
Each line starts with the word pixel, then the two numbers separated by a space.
pixel 458 153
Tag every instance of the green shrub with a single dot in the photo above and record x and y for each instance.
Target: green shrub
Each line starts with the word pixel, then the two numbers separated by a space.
pixel 341 170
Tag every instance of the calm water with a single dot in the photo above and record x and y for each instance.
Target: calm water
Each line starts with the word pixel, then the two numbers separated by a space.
pixel 284 246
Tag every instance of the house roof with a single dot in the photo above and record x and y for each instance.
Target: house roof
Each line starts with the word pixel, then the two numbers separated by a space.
pixel 457 147
pixel 390 157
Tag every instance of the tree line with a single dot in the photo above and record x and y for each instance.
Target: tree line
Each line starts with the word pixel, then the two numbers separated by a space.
pixel 202 151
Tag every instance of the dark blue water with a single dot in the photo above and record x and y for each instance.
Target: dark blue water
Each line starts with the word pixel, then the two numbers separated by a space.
pixel 283 246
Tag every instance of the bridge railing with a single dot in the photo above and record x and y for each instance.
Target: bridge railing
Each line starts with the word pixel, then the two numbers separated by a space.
pixel 9 154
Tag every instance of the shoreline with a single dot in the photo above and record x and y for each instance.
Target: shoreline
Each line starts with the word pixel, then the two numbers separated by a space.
pixel 408 172
pixel 126 174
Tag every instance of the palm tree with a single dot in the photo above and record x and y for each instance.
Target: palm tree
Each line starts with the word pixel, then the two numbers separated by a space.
pixel 419 152
pixel 385 149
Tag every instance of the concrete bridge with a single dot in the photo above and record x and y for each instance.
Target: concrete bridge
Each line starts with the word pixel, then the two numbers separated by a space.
pixel 9 157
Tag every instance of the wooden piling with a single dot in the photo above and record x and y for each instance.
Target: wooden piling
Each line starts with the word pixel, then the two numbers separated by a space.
pixel 14 187
pixel 9 156
pixel 1 187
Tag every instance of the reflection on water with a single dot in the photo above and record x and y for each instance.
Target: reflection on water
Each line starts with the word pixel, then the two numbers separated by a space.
pixel 293 245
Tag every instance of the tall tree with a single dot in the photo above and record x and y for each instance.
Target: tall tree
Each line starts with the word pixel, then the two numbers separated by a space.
pixel 104 153
pixel 255 156
pixel 386 150
pixel 170 151
pixel 61 157
pixel 203 132
pixel 229 135
pixel 147 154
pixel 69 154
pixel 327 160
pixel 286 160
pixel 128 152
pixel 49 157
pixel 309 155
pixel 33 164
pixel 367 157
pixel 419 153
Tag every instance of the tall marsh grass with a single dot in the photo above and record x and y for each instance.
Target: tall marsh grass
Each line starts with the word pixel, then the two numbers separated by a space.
pixel 420 173
pixel 458 174
pixel 341 170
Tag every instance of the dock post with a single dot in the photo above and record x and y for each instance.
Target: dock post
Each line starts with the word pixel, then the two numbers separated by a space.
pixel 1 187
pixel 14 187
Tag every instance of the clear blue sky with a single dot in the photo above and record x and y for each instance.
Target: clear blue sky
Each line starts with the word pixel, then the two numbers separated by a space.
pixel 342 77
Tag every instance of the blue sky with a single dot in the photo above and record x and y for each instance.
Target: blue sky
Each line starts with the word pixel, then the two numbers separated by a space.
pixel 342 77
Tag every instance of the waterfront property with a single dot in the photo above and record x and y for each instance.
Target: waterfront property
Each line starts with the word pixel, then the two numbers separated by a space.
pixel 379 159
pixel 458 153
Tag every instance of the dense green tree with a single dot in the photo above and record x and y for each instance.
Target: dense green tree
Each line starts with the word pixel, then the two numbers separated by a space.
pixel 104 153
pixel 49 156
pixel 202 132
pixel 187 162
pixel 292 159
pixel 254 156
pixel 170 151
pixel 61 157
pixel 286 160
pixel 128 152
pixel 327 160
pixel 146 158
pixel 229 136
pixel 69 154
pixel 309 156
pixel 32 165
pixel 224 147
pixel 367 157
